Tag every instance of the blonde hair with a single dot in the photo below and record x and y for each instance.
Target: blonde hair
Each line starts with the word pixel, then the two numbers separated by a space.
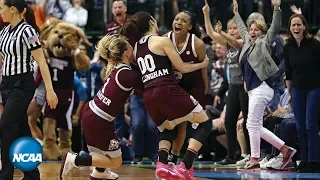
pixel 261 25
pixel 111 48
pixel 230 22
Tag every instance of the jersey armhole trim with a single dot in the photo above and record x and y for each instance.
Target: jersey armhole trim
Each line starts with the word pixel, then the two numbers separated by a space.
pixel 118 83
pixel 193 46
pixel 135 50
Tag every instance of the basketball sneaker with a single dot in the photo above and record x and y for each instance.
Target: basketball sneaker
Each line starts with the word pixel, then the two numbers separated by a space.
pixel 106 175
pixel 183 172
pixel 67 163
pixel 171 165
pixel 164 171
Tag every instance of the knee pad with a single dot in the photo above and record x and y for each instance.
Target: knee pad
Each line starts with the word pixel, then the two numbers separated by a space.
pixel 169 135
pixel 203 131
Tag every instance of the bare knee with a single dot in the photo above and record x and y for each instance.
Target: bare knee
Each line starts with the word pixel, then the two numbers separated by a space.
pixel 199 117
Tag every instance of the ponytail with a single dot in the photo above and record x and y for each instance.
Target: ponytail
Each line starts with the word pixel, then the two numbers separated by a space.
pixel 30 19
pixel 136 27
pixel 195 26
pixel 110 67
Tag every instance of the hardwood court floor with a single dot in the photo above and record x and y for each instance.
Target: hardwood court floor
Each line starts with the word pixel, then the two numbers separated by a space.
pixel 50 171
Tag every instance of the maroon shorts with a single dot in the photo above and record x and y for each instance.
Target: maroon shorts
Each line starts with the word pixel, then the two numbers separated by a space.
pixel 198 94
pixel 168 102
pixel 100 134
pixel 63 112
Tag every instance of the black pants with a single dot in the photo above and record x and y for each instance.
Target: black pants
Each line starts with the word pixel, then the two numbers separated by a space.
pixel 237 101
pixel 17 92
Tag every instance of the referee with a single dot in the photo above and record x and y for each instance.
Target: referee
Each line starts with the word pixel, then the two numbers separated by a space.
pixel 19 47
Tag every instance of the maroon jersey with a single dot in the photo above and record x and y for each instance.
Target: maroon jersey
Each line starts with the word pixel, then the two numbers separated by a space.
pixel 61 71
pixel 188 55
pixel 114 93
pixel 156 70
pixel 114 27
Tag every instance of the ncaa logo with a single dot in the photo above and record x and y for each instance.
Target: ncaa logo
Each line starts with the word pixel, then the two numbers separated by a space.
pixel 25 153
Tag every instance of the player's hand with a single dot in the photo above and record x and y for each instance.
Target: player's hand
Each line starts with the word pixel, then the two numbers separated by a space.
pixel 235 7
pixel 295 10
pixel 205 62
pixel 52 99
pixel 206 8
pixel 75 119
pixel 219 27
pixel 276 3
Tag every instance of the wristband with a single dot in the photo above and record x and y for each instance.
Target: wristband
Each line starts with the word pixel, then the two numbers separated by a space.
pixel 76 52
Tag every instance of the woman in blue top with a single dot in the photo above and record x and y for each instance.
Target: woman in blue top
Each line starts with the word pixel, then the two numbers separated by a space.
pixel 258 67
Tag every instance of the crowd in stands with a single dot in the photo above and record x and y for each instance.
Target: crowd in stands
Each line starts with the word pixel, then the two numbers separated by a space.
pixel 277 102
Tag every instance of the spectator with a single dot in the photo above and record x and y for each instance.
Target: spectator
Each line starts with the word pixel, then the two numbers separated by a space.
pixel 302 67
pixel 258 67
pixel 278 57
pixel 237 100
pixel 77 15
pixel 57 8
pixel 119 11
pixel 217 73
pixel 40 13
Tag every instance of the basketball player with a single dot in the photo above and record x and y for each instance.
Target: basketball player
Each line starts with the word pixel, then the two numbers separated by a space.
pixel 99 113
pixel 166 102
pixel 186 39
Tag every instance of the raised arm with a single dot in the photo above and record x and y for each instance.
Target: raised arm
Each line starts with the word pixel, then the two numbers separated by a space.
pixel 237 19
pixel 170 51
pixel 209 28
pixel 276 23
pixel 236 43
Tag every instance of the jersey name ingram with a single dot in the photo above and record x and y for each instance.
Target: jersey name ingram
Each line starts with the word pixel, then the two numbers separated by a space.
pixel 155 74
pixel 27 157
pixel 104 99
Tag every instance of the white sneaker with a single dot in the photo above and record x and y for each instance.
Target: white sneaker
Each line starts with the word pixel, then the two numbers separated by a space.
pixel 107 174
pixel 276 163
pixel 243 161
pixel 67 163
pixel 263 163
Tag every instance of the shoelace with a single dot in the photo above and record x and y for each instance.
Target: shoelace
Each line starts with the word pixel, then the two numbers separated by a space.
pixel 191 171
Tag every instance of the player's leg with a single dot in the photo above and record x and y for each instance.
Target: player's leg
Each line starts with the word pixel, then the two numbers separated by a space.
pixel 103 146
pixel 34 111
pixel 99 161
pixel 185 168
pixel 178 142
pixel 163 170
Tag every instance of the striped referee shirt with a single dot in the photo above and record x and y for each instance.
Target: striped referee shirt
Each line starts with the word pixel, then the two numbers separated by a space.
pixel 16 45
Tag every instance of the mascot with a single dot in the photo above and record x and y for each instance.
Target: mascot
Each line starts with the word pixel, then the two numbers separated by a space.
pixel 61 43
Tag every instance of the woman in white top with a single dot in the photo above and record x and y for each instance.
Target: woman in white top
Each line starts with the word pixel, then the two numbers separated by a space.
pixel 77 15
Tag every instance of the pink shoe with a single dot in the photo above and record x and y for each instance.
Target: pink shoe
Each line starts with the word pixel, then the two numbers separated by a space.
pixel 183 172
pixel 164 171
